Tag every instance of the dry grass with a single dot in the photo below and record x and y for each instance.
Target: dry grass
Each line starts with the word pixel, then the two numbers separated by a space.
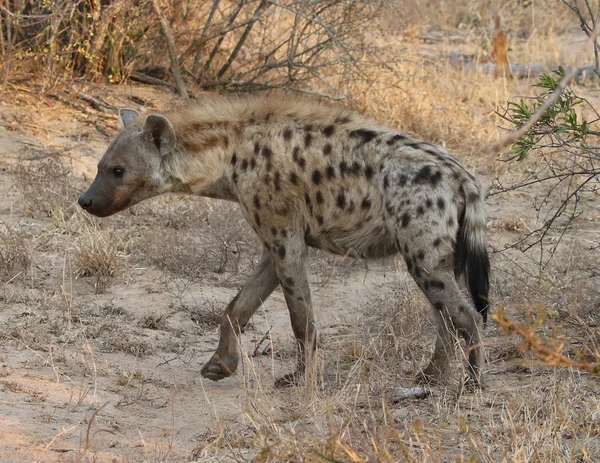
pixel 14 256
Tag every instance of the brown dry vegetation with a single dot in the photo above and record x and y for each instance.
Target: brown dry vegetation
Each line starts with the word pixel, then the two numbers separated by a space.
pixel 104 324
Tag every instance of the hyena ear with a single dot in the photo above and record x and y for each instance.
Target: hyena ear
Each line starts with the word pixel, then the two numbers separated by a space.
pixel 127 116
pixel 162 132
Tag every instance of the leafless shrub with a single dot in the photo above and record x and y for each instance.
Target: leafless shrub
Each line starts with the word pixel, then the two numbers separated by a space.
pixel 238 45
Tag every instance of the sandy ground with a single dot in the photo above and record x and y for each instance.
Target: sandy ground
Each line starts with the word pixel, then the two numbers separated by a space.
pixel 82 376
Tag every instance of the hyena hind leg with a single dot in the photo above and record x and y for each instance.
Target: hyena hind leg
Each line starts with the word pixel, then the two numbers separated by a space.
pixel 454 313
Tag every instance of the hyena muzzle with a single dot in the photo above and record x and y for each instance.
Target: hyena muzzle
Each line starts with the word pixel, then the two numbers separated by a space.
pixel 307 174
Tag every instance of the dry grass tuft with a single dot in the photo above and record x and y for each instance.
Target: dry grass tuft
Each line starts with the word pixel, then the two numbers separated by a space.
pixel 46 185
pixel 98 252
pixel 14 256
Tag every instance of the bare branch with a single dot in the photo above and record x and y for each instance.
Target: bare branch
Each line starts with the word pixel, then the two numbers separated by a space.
pixel 166 30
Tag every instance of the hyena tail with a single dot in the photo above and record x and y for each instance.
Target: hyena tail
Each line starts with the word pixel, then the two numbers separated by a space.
pixel 470 255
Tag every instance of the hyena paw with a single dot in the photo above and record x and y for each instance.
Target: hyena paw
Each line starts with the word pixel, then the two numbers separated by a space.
pixel 219 367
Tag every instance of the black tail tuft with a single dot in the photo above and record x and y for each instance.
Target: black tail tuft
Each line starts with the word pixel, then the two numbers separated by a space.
pixel 478 279
pixel 471 258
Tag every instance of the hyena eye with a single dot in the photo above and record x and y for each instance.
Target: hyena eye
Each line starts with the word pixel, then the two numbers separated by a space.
pixel 118 171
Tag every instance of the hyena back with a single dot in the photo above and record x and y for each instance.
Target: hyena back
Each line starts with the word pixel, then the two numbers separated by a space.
pixel 309 174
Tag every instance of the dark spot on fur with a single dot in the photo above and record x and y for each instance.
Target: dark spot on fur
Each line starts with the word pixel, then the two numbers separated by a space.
pixel 405 219
pixel 343 167
pixel 233 159
pixel 437 284
pixel 420 255
pixel 273 231
pixel 277 181
pixel 257 219
pixel 439 306
pixel 290 282
pixel 283 233
pixel 244 164
pixel 316 177
pixel 386 182
pixel 308 127
pixel 435 178
pixel 406 249
pixel 409 264
pixel 369 172
pixel 330 171
pixel 266 152
pixel 327 149
pixel 329 130
pixel 473 197
pixel 366 203
pixel 423 175
pixel 320 219
pixel 429 203
pixel 234 177
pixel 450 222
pixel 437 242
pixel 417 271
pixel 253 163
pixel 307 200
pixel 402 179
pixel 256 147
pixel 342 120
pixel 307 139
pixel 341 201
pixel 287 134
pixel 441 204
pixel 396 138
pixel 293 178
pixel 288 290
pixel 281 252
pixel 298 159
pixel 319 198
pixel 256 202
pixel 365 135
pixel 355 169
pixel 420 210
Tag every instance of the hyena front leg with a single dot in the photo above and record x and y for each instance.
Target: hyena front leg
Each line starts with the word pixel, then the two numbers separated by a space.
pixel 255 291
pixel 290 258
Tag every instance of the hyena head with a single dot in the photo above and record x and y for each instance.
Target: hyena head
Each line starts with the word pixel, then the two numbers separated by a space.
pixel 129 171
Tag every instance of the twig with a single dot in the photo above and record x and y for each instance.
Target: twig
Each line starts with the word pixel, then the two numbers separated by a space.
pixel 266 336
pixel 262 7
pixel 200 44
pixel 96 104
pixel 529 343
pixel 166 30
pixel 217 45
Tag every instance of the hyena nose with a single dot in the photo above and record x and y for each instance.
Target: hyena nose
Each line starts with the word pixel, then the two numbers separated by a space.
pixel 84 202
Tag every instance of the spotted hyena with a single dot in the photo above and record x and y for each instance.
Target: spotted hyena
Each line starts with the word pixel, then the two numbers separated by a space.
pixel 309 174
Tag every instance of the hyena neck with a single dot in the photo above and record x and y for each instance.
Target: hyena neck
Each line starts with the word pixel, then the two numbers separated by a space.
pixel 198 164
